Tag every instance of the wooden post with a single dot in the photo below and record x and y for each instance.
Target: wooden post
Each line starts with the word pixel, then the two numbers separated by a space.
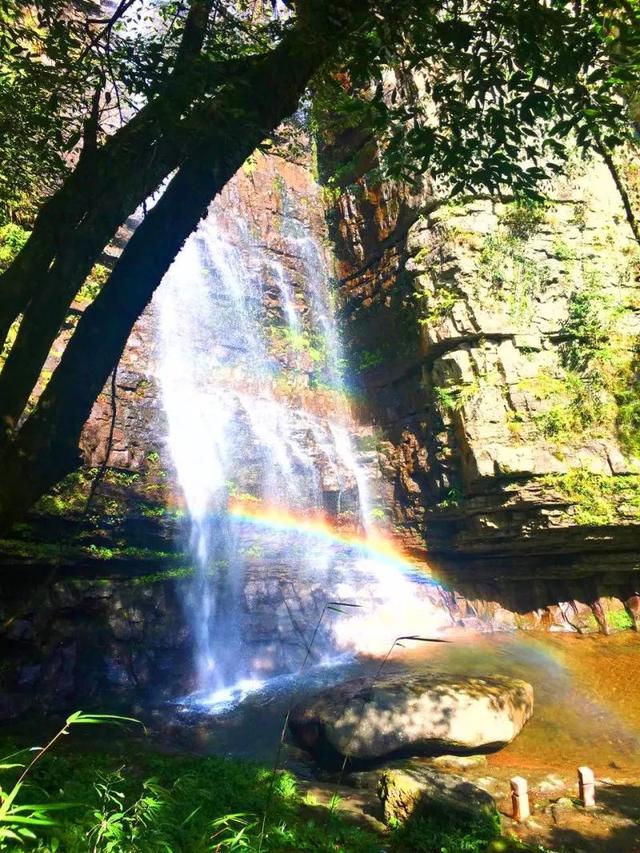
pixel 520 798
pixel 587 786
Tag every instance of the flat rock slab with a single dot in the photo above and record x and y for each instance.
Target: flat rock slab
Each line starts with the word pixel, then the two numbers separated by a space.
pixel 416 789
pixel 412 715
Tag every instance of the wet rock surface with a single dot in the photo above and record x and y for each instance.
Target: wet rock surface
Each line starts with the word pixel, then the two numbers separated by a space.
pixel 428 715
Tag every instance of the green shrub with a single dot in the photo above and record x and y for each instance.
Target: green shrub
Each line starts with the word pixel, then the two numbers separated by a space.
pixel 129 800
pixel 446 832
pixel 588 327
pixel 12 239
pixel 597 499
pixel 522 218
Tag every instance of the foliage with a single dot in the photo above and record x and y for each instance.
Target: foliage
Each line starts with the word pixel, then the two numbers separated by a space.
pixel 161 803
pixel 588 326
pixel 597 499
pixel 73 552
pixel 53 62
pixel 626 390
pixel 452 499
pixel 17 821
pixel 12 239
pixel 366 359
pixel 435 306
pixel 43 98
pixel 508 262
pixel 597 391
pixel 299 342
pixel 455 396
pixel 578 406
pixel 523 218
pixel 93 284
pixel 504 89
pixel 445 832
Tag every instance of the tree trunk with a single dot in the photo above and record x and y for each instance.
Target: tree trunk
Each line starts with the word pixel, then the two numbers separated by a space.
pixel 247 111
pixel 136 159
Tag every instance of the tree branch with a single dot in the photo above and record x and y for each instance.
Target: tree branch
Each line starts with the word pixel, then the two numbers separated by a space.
pixel 244 113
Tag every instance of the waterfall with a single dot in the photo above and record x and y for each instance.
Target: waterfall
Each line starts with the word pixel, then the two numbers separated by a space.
pixel 259 430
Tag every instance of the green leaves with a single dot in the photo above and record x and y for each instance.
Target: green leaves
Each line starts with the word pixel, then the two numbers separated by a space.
pixel 493 95
pixel 80 718
pixel 15 819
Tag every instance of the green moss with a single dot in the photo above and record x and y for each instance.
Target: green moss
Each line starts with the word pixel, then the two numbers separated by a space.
pixel 620 620
pixel 597 499
pixel 69 552
pixel 177 573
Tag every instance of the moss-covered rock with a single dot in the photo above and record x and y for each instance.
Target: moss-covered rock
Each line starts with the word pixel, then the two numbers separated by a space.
pixel 415 790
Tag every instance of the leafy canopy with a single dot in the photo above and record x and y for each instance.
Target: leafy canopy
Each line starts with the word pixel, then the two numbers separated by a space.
pixel 480 94
pixel 489 94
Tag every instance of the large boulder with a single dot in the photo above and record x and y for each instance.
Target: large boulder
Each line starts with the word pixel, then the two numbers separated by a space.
pixel 411 715
pixel 413 789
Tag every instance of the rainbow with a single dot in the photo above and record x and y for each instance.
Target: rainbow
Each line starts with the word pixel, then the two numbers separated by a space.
pixel 319 526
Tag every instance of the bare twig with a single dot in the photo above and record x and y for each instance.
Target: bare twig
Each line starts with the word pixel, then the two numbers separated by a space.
pixel 329 605
pixel 122 7
pixel 377 674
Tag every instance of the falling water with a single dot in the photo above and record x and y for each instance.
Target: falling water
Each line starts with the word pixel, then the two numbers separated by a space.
pixel 257 418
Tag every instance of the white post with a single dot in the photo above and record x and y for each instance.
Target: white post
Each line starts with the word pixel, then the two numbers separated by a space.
pixel 520 799
pixel 587 786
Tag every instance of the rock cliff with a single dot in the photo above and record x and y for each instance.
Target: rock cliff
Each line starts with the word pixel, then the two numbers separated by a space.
pixel 496 349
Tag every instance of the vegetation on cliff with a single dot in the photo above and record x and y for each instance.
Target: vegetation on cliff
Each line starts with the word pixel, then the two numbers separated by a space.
pixel 122 106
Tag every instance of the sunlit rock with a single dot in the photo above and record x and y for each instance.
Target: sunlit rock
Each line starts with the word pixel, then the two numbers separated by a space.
pixel 414 789
pixel 419 715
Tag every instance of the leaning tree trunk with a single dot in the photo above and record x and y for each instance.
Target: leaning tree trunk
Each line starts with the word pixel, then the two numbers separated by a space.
pixel 135 149
pixel 73 227
pixel 247 111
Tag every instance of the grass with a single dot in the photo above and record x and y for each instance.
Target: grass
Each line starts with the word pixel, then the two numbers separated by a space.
pixel 130 799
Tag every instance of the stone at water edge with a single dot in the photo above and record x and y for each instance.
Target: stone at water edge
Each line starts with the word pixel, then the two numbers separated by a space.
pixel 430 714
pixel 418 789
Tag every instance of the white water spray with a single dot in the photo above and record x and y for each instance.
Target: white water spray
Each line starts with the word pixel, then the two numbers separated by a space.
pixel 234 328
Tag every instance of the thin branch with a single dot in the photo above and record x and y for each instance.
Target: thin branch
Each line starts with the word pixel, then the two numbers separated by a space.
pixel 63 731
pixel 605 153
pixel 123 6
